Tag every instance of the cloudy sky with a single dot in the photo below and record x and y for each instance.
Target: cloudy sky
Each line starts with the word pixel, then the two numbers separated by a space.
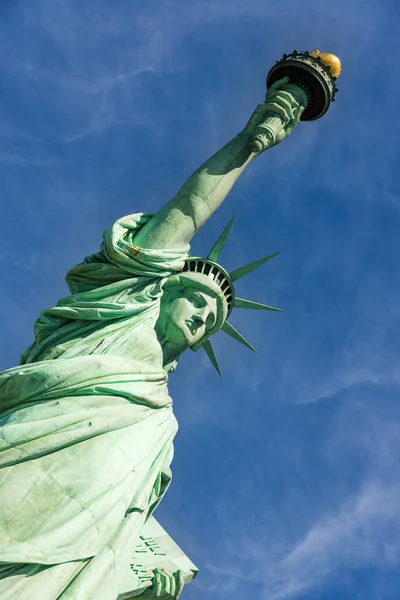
pixel 286 479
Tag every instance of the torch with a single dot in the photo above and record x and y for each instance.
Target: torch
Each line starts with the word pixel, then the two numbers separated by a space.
pixel 312 82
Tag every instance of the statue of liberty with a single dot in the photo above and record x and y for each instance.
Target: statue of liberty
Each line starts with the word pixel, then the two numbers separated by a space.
pixel 87 424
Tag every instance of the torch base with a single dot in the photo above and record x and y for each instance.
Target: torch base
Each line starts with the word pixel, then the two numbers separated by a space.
pixel 310 75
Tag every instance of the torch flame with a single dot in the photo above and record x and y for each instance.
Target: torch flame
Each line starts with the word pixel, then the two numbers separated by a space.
pixel 329 60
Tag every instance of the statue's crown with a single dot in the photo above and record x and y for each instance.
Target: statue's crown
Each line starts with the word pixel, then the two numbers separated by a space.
pixel 210 268
pixel 216 273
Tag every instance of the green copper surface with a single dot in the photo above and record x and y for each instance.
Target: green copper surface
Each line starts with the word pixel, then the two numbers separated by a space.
pixel 241 303
pixel 211 355
pixel 230 330
pixel 239 273
pixel 216 249
pixel 87 424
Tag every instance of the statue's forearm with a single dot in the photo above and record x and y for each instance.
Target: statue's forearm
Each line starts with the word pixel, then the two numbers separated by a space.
pixel 176 223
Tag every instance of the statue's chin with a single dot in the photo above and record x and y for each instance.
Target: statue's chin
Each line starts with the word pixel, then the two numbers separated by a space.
pixel 175 339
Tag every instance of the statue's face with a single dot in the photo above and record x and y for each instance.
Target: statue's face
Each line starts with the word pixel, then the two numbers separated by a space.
pixel 186 316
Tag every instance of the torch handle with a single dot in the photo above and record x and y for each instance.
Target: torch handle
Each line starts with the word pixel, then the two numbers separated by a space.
pixel 265 134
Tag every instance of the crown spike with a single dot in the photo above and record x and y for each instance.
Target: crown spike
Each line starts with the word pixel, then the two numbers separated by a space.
pixel 235 275
pixel 242 303
pixel 227 327
pixel 220 243
pixel 211 355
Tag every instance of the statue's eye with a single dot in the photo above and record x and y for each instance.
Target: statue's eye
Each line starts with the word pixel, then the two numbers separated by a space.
pixel 197 301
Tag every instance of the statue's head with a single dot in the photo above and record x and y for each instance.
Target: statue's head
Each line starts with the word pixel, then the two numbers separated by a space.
pixel 193 307
pixel 197 302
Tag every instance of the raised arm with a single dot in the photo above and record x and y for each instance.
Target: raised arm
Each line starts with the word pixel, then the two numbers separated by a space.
pixel 205 190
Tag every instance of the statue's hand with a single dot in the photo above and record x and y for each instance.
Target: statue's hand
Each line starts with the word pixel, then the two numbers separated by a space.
pixel 280 101
pixel 165 585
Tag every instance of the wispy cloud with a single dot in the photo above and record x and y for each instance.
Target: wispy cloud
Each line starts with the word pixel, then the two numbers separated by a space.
pixel 363 533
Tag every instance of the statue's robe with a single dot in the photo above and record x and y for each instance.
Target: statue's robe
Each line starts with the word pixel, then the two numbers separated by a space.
pixel 86 428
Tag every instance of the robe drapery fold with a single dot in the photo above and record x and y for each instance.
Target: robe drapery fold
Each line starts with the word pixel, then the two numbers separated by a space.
pixel 86 427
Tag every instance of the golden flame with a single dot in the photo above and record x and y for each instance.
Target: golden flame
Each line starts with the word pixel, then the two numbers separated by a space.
pixel 329 60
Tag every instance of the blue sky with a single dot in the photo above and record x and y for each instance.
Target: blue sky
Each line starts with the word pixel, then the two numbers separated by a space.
pixel 286 479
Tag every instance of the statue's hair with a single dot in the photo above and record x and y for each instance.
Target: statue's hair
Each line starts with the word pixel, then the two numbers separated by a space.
pixel 202 283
